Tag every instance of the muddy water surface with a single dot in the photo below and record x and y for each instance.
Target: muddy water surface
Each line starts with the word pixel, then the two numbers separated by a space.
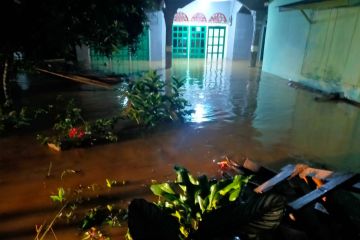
pixel 239 112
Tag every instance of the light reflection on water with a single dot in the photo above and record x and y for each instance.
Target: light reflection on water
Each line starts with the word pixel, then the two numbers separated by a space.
pixel 199 114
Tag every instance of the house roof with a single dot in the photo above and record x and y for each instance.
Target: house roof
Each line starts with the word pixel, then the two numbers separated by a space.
pixel 318 4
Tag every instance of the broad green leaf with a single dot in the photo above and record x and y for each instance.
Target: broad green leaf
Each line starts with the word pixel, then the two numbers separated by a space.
pixel 201 203
pixel 167 188
pixel 234 195
pixel 177 215
pixel 160 189
pixel 55 198
pixel 213 196
pixel 184 231
pixel 156 189
pixel 234 185
pixel 193 180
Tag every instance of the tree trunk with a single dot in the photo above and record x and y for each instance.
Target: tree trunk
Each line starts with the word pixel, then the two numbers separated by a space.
pixel 5 81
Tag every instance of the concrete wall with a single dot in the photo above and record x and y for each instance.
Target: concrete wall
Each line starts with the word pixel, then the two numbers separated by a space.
pixel 322 54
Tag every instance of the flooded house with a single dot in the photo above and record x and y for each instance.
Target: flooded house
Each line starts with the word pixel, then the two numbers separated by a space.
pixel 277 82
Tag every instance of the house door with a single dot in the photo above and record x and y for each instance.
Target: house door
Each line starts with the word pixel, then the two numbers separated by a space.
pixel 216 42
pixel 180 41
pixel 197 41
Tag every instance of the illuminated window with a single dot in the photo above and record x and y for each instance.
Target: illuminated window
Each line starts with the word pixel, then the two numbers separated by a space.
pixel 180 41
pixel 216 42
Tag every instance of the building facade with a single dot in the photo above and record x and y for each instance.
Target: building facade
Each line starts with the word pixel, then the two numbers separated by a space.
pixel 203 29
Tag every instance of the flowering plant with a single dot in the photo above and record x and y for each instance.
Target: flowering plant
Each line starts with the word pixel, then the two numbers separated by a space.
pixel 76 133
pixel 71 130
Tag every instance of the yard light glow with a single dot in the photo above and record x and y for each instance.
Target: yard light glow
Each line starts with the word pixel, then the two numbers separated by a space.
pixel 199 113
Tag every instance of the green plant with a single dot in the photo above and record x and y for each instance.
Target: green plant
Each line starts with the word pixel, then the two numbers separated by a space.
pixel 60 196
pixel 75 210
pixel 148 104
pixel 178 106
pixel 196 197
pixel 71 130
pixel 13 119
pixel 100 215
pixel 198 208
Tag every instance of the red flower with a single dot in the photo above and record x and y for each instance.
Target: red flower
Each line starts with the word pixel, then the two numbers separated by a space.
pixel 73 132
pixel 81 134
pixel 76 133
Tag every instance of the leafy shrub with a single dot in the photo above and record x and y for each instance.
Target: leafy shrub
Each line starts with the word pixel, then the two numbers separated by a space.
pixel 148 104
pixel 196 197
pixel 204 209
pixel 71 130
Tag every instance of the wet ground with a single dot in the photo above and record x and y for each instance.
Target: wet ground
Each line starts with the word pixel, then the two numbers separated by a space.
pixel 239 112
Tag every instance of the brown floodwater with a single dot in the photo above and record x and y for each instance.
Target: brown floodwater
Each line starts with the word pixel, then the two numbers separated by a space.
pixel 239 112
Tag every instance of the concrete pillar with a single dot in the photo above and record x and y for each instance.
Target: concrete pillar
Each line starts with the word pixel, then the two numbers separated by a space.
pixel 169 14
pixel 258 20
pixel 170 9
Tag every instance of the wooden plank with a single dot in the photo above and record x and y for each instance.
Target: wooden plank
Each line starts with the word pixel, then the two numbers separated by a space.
pixel 336 180
pixel 77 79
pixel 357 185
pixel 250 165
pixel 285 173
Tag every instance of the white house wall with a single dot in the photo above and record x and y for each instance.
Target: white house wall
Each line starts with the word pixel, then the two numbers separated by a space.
pixel 323 54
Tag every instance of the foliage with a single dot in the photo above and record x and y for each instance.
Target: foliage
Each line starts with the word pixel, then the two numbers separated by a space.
pixel 196 197
pixel 205 209
pixel 76 208
pixel 109 215
pixel 60 196
pixel 36 31
pixel 102 24
pixel 71 130
pixel 13 119
pixel 148 104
